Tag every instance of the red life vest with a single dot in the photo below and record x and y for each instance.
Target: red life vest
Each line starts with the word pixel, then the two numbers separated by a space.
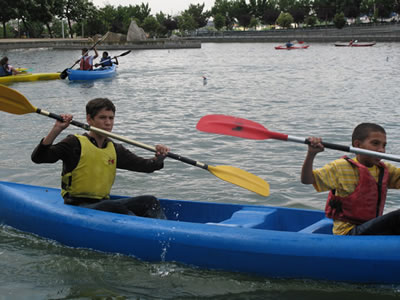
pixel 365 203
pixel 86 63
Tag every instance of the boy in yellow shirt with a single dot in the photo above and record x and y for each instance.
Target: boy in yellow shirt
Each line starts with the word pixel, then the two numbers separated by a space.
pixel 357 186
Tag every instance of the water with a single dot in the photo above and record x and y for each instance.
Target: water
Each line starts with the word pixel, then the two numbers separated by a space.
pixel 160 96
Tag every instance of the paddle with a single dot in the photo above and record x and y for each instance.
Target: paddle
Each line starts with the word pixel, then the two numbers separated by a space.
pixel 123 54
pixel 24 70
pixel 247 129
pixel 13 102
pixel 64 73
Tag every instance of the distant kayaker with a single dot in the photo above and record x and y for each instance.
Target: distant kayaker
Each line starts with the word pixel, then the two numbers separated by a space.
pixel 6 69
pixel 90 162
pixel 289 44
pixel 86 61
pixel 357 186
pixel 106 60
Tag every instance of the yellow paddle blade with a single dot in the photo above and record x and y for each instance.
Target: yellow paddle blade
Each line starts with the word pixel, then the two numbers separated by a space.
pixel 14 102
pixel 241 178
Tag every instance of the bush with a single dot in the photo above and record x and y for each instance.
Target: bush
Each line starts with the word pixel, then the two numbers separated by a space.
pixel 339 20
pixel 285 20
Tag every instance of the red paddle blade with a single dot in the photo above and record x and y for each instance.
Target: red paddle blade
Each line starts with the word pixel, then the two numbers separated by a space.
pixel 229 125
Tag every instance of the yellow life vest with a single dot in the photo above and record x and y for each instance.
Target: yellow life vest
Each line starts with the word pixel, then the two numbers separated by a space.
pixel 94 175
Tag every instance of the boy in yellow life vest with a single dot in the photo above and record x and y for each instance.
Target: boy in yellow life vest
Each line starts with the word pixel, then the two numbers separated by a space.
pixel 357 186
pixel 90 161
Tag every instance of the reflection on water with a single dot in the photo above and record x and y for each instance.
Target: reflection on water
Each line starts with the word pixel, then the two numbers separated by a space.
pixel 160 96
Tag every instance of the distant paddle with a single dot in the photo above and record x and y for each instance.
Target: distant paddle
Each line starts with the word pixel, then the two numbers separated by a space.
pixel 12 101
pixel 64 74
pixel 229 125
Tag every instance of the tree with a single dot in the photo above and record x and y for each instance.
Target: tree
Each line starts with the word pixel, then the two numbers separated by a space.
pixel 384 7
pixel 170 24
pixel 41 11
pixel 299 10
pixel 162 29
pixel 186 22
pixel 200 17
pixel 219 21
pixel 7 13
pixel 325 9
pixel 150 25
pixel 57 28
pixel 285 20
pixel 350 8
pixel 142 11
pixel 242 12
pixel 75 10
pixel 339 20
pixel 22 10
pixel 311 21
pixel 224 8
pixel 397 7
pixel 270 12
pixel 99 21
pixel 367 7
pixel 253 23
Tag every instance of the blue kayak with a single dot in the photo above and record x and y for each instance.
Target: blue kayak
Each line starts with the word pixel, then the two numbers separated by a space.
pixel 267 241
pixel 104 72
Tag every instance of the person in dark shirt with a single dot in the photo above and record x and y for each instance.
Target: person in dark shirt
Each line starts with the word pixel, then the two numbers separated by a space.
pixel 6 69
pixel 106 61
pixel 90 162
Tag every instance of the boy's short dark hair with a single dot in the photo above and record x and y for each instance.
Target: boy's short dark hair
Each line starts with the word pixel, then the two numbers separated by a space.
pixel 105 53
pixel 95 105
pixel 363 130
pixel 85 50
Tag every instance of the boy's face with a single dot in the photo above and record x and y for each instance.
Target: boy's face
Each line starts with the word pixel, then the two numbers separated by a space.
pixel 103 120
pixel 376 141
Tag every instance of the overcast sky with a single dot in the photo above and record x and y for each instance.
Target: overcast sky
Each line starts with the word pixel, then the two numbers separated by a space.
pixel 171 7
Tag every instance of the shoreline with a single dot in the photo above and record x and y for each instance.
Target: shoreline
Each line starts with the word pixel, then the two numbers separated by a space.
pixel 78 43
pixel 376 33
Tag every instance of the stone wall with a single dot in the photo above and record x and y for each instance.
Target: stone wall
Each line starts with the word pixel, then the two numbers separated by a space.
pixel 378 33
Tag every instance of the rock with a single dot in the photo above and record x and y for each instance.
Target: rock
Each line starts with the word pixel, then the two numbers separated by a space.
pixel 115 37
pixel 94 39
pixel 135 33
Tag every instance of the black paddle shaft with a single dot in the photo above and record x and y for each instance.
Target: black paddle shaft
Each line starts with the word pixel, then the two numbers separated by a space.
pixel 59 118
pixel 331 146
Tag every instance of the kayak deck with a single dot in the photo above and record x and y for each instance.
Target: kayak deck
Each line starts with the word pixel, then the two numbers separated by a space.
pixel 24 77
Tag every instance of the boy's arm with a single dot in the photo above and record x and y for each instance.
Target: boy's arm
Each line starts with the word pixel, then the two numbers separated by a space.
pixel 96 54
pixel 314 147
pixel 57 129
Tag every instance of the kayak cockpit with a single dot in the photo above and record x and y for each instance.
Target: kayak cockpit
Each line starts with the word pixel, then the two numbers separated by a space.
pixel 274 219
pixel 248 216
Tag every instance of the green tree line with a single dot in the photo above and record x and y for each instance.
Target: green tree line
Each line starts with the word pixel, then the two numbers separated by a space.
pixel 36 18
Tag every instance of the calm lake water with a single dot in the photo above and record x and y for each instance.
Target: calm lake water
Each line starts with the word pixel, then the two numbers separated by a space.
pixel 160 96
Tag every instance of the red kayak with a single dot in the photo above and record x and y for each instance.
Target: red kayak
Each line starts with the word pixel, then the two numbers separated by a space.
pixel 355 44
pixel 284 47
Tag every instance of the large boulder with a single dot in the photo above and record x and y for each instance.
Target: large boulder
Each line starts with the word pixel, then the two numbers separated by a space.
pixel 113 37
pixel 135 33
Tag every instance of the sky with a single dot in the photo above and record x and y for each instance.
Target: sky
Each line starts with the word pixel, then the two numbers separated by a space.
pixel 171 7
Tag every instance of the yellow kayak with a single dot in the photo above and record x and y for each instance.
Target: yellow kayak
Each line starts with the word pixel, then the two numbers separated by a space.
pixel 29 77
